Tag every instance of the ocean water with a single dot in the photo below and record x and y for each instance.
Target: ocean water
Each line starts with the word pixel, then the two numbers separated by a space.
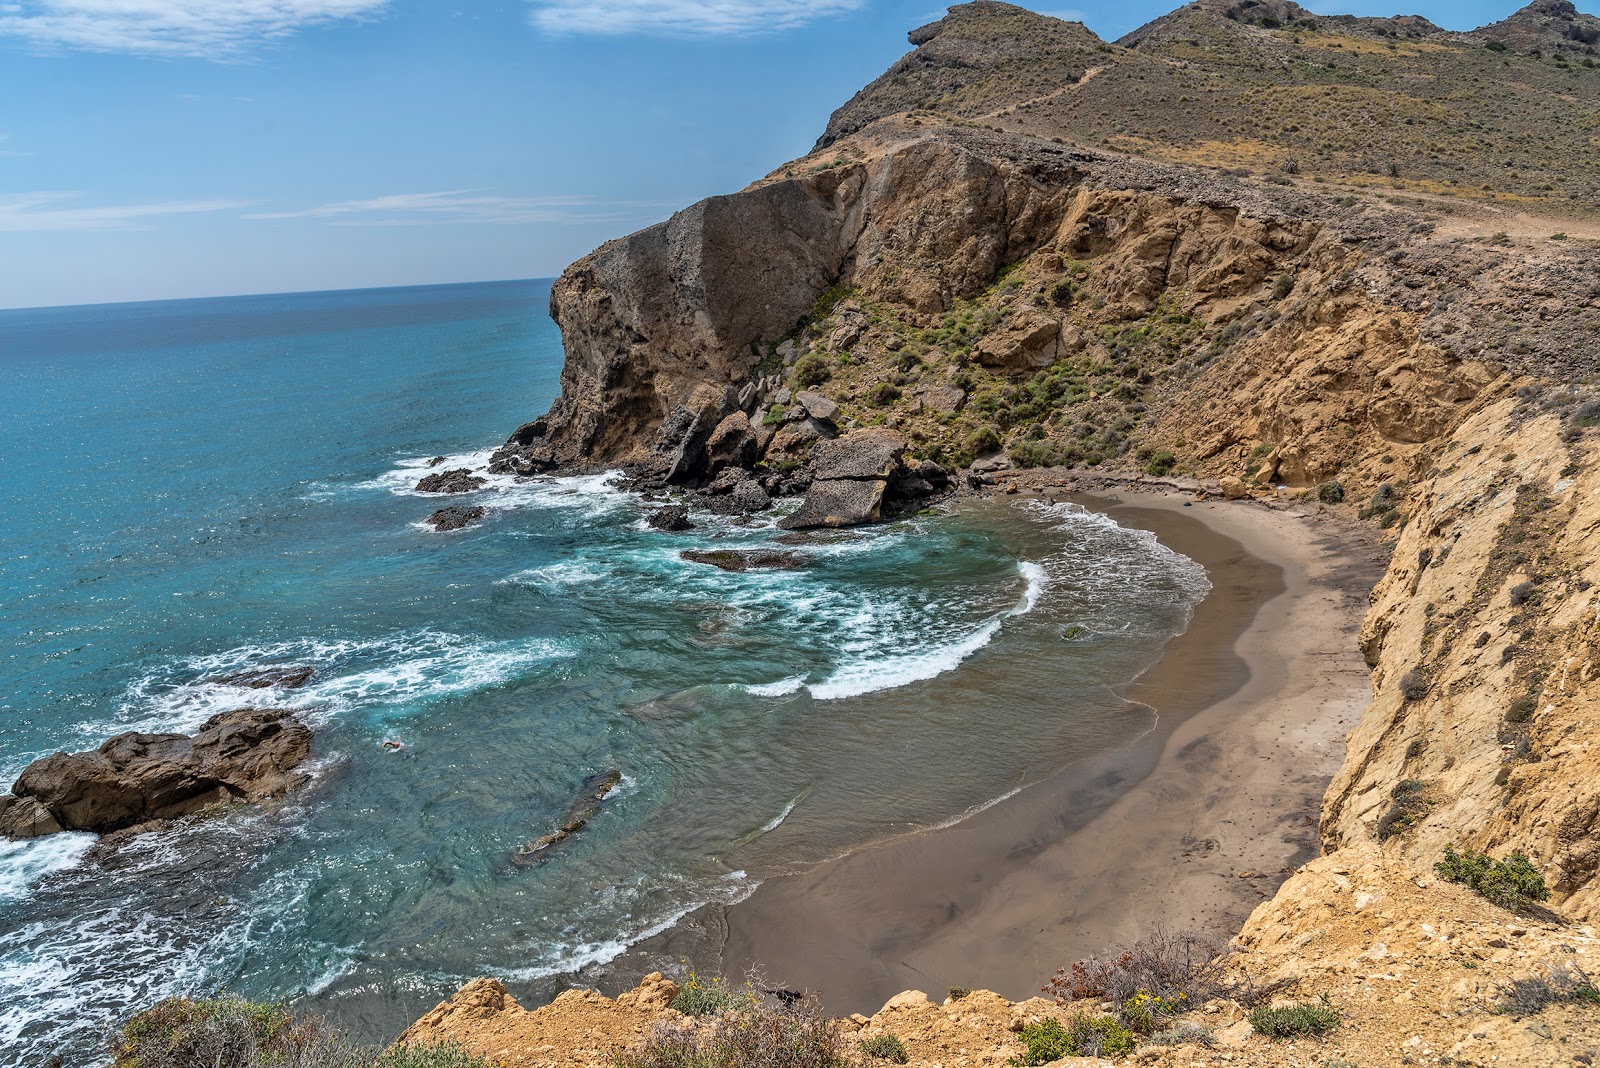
pixel 200 486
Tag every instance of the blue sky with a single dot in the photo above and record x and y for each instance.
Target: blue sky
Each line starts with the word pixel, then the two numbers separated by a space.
pixel 173 148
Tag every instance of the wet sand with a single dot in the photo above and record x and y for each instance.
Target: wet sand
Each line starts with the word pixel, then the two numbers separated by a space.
pixel 1191 827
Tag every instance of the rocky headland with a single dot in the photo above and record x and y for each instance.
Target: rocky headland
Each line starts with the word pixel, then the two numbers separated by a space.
pixel 1266 258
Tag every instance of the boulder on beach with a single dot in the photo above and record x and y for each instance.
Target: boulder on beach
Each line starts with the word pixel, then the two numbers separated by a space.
pixel 456 516
pixel 455 480
pixel 850 476
pixel 246 755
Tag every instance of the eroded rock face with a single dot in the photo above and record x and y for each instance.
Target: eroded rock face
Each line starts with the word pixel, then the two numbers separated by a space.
pixel 246 755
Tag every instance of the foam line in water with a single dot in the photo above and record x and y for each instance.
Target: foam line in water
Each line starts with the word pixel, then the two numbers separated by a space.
pixel 396 672
pixel 575 957
pixel 781 688
pixel 864 676
pixel 24 863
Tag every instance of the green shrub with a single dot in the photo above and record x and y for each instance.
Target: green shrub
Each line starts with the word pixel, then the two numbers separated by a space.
pixel 1283 286
pixel 1087 1036
pixel 1036 454
pixel 1408 805
pixel 1413 685
pixel 757 1036
pixel 709 997
pixel 1146 1012
pixel 1160 463
pixel 811 370
pixel 1046 1041
pixel 886 1047
pixel 1294 1020
pixel 1513 883
pixel 230 1032
pixel 958 992
pixel 883 394
pixel 983 440
pixel 1330 492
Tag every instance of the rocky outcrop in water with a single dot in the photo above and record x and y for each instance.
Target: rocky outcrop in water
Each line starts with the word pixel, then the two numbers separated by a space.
pixel 246 755
pixel 456 516
pixel 746 559
pixel 596 788
pixel 455 480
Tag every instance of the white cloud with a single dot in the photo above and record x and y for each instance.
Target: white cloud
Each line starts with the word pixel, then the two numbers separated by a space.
pixel 457 206
pixel 41 212
pixel 211 29
pixel 683 18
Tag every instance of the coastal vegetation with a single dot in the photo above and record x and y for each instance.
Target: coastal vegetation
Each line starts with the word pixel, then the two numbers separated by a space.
pixel 1513 883
pixel 231 1032
pixel 795 1034
pixel 1295 1019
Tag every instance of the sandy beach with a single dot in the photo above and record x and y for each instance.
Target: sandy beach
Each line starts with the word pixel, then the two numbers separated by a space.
pixel 1191 827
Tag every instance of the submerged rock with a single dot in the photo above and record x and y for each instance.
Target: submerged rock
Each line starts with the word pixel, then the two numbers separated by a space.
pixel 746 559
pixel 596 788
pixel 245 755
pixel 456 516
pixel 455 480
pixel 286 677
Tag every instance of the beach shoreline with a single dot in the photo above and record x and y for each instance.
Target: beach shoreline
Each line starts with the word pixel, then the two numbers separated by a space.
pixel 1190 827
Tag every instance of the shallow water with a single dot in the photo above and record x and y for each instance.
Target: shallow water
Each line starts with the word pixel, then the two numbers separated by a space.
pixel 216 484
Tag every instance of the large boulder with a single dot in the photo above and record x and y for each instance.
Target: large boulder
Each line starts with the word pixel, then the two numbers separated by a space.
pixel 849 477
pixel 246 755
pixel 860 454
pixel 839 503
pixel 456 516
pixel 455 480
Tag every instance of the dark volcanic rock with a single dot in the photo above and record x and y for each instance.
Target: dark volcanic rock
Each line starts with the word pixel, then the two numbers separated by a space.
pixel 595 790
pixel 455 480
pixel 672 517
pixel 456 516
pixel 286 677
pixel 745 559
pixel 246 755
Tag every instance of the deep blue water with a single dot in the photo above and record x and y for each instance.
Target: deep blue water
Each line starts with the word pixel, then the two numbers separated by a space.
pixel 197 486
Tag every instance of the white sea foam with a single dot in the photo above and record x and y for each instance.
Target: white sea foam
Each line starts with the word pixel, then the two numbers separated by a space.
pixel 777 821
pixel 781 688
pixel 23 864
pixel 552 576
pixel 396 672
pixel 567 957
pixel 871 673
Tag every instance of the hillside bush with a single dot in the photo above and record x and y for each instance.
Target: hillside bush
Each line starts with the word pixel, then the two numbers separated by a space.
pixel 797 1035
pixel 1086 1036
pixel 1160 463
pixel 1513 883
pixel 230 1032
pixel 886 1047
pixel 811 370
pixel 1176 966
pixel 1331 492
pixel 708 997
pixel 1294 1020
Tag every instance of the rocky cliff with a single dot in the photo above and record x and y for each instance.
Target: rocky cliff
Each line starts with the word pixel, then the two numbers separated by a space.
pixel 1347 261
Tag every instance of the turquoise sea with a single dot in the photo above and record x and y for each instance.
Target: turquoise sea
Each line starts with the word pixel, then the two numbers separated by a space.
pixel 199 486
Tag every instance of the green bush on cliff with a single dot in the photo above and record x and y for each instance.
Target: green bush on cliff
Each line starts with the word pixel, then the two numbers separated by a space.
pixel 230 1032
pixel 1513 883
pixel 1086 1036
pixel 800 1035
pixel 886 1047
pixel 811 370
pixel 707 997
pixel 1295 1020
